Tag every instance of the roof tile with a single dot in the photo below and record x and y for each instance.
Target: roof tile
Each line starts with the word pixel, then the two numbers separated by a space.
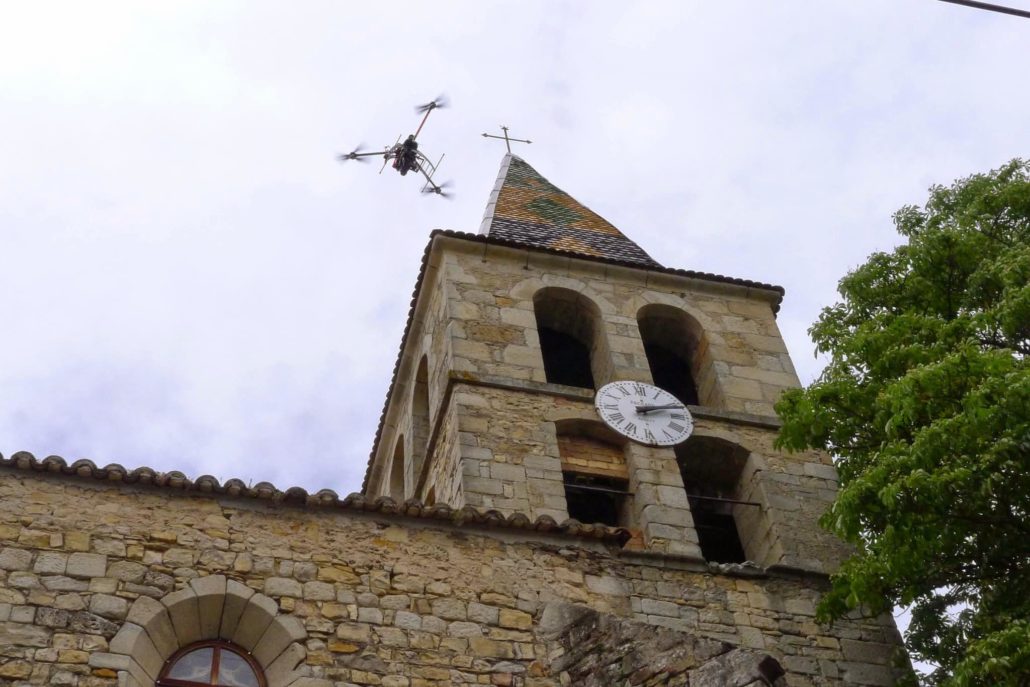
pixel 527 209
pixel 206 485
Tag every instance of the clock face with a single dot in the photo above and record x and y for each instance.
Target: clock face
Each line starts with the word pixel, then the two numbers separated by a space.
pixel 644 413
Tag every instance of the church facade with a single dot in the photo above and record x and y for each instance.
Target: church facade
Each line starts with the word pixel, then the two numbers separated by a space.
pixel 505 533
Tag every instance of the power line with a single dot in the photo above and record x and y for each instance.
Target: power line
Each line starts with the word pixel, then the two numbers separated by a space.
pixel 991 8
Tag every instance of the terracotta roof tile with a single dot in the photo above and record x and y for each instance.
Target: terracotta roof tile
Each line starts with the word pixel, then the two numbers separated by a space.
pixel 206 485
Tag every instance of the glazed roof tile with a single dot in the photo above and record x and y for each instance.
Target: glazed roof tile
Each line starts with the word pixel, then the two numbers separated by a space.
pixel 324 499
pixel 527 209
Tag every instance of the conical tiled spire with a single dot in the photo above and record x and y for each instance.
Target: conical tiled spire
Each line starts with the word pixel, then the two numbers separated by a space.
pixel 526 208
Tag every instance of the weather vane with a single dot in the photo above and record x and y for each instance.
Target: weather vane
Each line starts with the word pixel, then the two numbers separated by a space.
pixel 507 139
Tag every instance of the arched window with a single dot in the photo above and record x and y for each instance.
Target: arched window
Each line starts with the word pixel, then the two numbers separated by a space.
pixel 397 471
pixel 711 470
pixel 676 354
pixel 211 663
pixel 595 474
pixel 568 326
pixel 420 417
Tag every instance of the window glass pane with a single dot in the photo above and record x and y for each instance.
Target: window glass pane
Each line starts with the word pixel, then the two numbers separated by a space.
pixel 234 671
pixel 196 665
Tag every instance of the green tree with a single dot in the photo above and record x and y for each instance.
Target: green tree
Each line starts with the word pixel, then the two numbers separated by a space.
pixel 925 404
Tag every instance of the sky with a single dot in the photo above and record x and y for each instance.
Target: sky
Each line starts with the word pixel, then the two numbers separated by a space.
pixel 189 280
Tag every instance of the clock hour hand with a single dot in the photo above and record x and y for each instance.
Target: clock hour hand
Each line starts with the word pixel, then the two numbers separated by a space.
pixel 667 406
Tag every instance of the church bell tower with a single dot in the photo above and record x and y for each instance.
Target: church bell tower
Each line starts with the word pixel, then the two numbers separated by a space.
pixel 510 334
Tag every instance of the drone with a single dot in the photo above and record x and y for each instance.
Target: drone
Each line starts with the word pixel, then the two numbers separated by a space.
pixel 404 156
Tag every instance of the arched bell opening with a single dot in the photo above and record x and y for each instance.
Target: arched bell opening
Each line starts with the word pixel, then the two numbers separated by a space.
pixel 711 469
pixel 572 343
pixel 677 354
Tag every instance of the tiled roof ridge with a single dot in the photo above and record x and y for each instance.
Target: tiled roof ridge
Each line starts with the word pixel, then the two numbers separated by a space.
pixel 486 239
pixel 207 485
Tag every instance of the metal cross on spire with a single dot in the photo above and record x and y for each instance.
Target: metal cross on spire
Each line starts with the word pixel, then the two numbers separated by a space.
pixel 507 139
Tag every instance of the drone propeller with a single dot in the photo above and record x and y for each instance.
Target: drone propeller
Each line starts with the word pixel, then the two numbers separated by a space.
pixel 354 154
pixel 439 189
pixel 440 101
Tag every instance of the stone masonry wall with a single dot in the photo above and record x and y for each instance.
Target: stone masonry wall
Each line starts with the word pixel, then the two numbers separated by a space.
pixel 429 338
pixel 511 462
pixel 494 444
pixel 587 455
pixel 490 300
pixel 89 572
pixel 597 650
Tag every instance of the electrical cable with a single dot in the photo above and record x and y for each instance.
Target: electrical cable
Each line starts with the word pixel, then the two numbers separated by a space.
pixel 991 8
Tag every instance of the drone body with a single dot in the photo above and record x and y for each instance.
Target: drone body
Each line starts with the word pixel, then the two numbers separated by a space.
pixel 405 155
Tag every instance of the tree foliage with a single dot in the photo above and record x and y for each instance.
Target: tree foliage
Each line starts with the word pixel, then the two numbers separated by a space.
pixel 925 404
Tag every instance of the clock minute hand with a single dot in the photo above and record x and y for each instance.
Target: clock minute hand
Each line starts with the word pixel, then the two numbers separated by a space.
pixel 668 406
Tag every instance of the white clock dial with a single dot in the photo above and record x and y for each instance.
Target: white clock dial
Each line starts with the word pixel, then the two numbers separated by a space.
pixel 644 413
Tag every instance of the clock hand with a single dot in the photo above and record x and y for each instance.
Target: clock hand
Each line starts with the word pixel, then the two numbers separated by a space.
pixel 668 406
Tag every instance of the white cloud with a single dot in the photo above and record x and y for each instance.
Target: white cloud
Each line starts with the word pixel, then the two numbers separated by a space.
pixel 189 280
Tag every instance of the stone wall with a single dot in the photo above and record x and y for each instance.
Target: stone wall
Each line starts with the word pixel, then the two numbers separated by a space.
pixel 475 315
pixel 510 458
pixel 582 453
pixel 597 650
pixel 492 438
pixel 477 613
pixel 98 579
pixel 490 300
pixel 429 338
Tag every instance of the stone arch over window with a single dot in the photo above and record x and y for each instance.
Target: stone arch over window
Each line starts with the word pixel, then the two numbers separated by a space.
pixel 594 472
pixel 678 355
pixel 572 341
pixel 420 417
pixel 727 523
pixel 395 487
pixel 208 608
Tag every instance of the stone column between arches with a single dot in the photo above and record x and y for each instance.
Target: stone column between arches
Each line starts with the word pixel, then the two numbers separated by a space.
pixel 212 607
pixel 660 501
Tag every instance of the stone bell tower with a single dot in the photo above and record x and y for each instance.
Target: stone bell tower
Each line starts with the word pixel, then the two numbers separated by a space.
pixel 510 333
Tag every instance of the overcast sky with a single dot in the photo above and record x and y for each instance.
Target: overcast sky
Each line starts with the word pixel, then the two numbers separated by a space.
pixel 191 281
